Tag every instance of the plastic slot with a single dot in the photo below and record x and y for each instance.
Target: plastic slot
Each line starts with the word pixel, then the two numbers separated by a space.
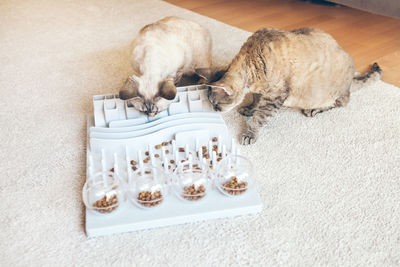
pixel 127 128
pixel 140 142
pixel 158 127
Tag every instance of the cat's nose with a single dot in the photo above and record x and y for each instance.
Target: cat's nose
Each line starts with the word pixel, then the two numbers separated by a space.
pixel 151 114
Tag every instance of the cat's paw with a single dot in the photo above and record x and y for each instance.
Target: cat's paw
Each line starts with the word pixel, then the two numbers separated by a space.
pixel 244 111
pixel 311 112
pixel 248 138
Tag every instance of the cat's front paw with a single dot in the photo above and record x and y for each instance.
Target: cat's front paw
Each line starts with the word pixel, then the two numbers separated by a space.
pixel 244 111
pixel 248 138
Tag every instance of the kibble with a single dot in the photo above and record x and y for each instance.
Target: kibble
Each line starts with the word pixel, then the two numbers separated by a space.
pixel 158 146
pixel 134 168
pixel 214 139
pixel 165 143
pixel 219 159
pixel 167 151
pixel 150 199
pixel 206 156
pixel 156 155
pixel 172 161
pixel 194 192
pixel 106 204
pixel 235 187
pixel 133 162
pixel 147 153
pixel 181 149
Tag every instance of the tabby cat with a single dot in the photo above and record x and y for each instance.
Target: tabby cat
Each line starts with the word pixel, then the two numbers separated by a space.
pixel 304 69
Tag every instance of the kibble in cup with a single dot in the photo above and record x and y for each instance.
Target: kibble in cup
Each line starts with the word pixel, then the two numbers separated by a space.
pixel 191 182
pixel 148 187
pixel 233 175
pixel 102 193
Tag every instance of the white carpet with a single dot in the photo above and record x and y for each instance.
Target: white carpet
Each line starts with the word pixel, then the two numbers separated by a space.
pixel 330 184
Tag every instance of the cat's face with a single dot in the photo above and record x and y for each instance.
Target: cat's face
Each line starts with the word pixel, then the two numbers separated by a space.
pixel 221 97
pixel 150 101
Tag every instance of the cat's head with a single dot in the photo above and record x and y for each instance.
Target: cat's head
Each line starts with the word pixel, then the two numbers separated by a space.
pixel 221 97
pixel 219 93
pixel 150 101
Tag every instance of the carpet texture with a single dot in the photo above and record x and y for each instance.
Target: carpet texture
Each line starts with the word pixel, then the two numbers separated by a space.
pixel 330 184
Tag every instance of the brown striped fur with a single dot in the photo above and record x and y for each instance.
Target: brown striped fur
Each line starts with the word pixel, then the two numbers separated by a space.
pixel 304 69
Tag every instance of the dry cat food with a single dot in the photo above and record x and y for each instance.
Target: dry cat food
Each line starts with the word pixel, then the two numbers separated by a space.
pixel 181 149
pixel 150 199
pixel 158 146
pixel 235 187
pixel 214 139
pixel 133 162
pixel 106 204
pixel 165 143
pixel 194 192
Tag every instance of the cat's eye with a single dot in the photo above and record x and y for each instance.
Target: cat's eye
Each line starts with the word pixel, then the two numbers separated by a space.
pixel 217 107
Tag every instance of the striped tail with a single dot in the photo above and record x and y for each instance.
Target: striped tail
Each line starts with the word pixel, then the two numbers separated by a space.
pixel 366 79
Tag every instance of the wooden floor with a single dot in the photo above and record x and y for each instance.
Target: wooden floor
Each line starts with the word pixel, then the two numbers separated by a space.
pixel 367 37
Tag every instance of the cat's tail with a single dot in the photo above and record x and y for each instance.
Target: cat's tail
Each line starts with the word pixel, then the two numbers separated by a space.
pixel 362 80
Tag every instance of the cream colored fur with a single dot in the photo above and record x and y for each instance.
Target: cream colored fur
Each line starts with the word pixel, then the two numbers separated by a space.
pixel 163 52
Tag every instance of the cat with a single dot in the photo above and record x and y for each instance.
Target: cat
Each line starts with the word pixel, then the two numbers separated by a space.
pixel 303 69
pixel 162 53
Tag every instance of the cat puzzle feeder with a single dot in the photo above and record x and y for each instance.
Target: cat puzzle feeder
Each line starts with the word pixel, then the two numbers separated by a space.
pixel 177 167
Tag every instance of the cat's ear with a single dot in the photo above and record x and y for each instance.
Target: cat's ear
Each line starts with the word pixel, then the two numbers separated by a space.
pixel 221 90
pixel 130 88
pixel 209 75
pixel 167 89
pixel 204 74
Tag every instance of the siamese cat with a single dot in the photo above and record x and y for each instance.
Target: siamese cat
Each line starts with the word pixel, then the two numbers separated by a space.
pixel 162 53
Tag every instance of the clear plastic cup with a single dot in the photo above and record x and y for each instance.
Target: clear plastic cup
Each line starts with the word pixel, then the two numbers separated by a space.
pixel 233 175
pixel 103 193
pixel 148 187
pixel 191 181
